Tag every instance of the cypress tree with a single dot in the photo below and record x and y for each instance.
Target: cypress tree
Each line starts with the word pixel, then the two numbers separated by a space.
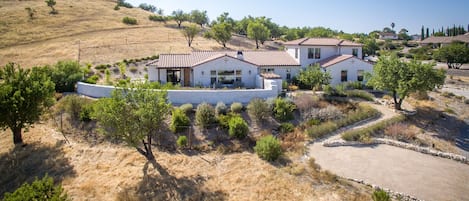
pixel 422 36
pixel 427 32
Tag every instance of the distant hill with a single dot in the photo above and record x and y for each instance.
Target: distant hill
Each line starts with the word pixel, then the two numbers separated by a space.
pixel 95 27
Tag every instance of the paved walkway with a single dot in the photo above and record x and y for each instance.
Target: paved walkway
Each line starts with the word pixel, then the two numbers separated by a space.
pixel 423 176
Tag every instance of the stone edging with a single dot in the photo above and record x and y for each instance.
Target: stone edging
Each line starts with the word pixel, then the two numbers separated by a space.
pixel 424 150
pixel 393 194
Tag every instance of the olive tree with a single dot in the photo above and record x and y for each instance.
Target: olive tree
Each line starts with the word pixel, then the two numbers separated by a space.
pixel 179 16
pixel 402 78
pixel 133 115
pixel 454 54
pixel 220 32
pixel 189 33
pixel 258 32
pixel 313 76
pixel 24 96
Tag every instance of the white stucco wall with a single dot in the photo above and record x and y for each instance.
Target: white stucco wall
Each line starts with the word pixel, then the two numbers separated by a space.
pixel 349 50
pixel 178 97
pixel 326 52
pixel 352 66
pixel 282 70
pixel 153 75
pixel 291 51
pixel 225 63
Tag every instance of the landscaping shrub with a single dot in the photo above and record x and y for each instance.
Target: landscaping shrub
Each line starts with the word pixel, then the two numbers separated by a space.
pixel 129 21
pixel 220 108
pixel 329 113
pixel 360 94
pixel 224 120
pixel 133 69
pixel 364 134
pixel 355 85
pixel 401 131
pixel 92 80
pixel 205 115
pixel 181 141
pixel 40 189
pixel 74 106
pixel 65 74
pixel 286 127
pixel 380 195
pixel 268 148
pixel 338 90
pixel 187 108
pixel 320 130
pixel 101 67
pixel 362 112
pixel 85 113
pixel 258 109
pixel 236 107
pixel 283 109
pixel 238 127
pixel 179 121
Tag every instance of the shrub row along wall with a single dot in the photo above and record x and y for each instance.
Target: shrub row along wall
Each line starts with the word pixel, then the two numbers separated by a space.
pixel 178 97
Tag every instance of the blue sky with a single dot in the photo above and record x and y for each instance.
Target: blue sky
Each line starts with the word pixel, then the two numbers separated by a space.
pixel 349 16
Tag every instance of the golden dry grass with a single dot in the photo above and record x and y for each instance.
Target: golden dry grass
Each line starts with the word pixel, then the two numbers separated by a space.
pixel 99 28
pixel 113 172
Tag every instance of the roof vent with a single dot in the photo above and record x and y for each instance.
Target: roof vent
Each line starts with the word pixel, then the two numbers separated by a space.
pixel 239 55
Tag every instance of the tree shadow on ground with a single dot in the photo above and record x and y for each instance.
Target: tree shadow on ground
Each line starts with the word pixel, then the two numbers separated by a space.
pixel 23 164
pixel 158 184
pixel 447 126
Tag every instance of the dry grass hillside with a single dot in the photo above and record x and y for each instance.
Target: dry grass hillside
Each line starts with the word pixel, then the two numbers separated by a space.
pixel 96 26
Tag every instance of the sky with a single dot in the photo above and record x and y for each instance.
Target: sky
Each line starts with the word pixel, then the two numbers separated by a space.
pixel 359 16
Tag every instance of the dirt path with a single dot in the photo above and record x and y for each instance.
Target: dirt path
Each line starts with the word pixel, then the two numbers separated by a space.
pixel 423 176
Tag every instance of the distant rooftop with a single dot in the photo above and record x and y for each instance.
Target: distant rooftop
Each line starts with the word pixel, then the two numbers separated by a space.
pixel 322 42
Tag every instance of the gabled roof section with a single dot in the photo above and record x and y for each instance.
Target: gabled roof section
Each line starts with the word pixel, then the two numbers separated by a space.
pixel 322 42
pixel 258 58
pixel 334 60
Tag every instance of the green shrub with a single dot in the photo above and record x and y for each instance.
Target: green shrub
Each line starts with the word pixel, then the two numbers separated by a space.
pixel 41 190
pixel 101 67
pixel 74 105
pixel 236 107
pixel 238 127
pixel 286 128
pixel 187 108
pixel 124 4
pixel 85 113
pixel 92 80
pixel 133 69
pixel 360 94
pixel 258 109
pixel 179 121
pixel 447 94
pixel 268 148
pixel 205 115
pixel 181 141
pixel 355 85
pixel 224 120
pixel 117 7
pixel 320 130
pixel 283 109
pixel 220 108
pixel 380 195
pixel 129 20
pixel 157 18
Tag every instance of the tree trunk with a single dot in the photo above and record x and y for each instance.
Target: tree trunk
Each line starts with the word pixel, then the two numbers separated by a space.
pixel 397 104
pixel 257 44
pixel 17 138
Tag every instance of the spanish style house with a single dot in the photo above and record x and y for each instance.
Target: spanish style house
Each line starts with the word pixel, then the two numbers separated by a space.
pixel 341 58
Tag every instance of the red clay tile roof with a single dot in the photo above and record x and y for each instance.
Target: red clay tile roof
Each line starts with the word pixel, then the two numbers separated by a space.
pixel 270 76
pixel 258 58
pixel 322 42
pixel 334 60
pixel 445 39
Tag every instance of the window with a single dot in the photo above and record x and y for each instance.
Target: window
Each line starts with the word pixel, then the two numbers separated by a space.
pixel 343 76
pixel 213 77
pixel 226 77
pixel 360 75
pixel 296 53
pixel 314 53
pixel 355 52
pixel 267 70
pixel 288 74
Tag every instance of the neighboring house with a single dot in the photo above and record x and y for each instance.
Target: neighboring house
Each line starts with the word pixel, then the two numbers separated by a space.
pixel 388 35
pixel 439 41
pixel 244 68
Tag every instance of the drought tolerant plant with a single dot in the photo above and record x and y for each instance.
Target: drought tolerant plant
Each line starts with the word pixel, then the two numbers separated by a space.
pixel 268 148
pixel 283 109
pixel 224 120
pixel 286 127
pixel 258 109
pixel 158 18
pixel 51 4
pixel 181 141
pixel 220 108
pixel 314 77
pixel 40 190
pixel 129 20
pixel 238 127
pixel 187 108
pixel 236 107
pixel 179 121
pixel 92 80
pixel 205 115
pixel 360 94
pixel 364 134
pixel 380 195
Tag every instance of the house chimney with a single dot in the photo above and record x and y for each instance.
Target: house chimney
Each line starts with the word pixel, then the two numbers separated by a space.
pixel 239 55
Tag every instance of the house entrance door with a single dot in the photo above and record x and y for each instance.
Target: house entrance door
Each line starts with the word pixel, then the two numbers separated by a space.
pixel 173 76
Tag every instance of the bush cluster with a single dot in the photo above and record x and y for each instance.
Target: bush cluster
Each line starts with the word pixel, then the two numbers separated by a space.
pixel 220 108
pixel 238 127
pixel 40 189
pixel 158 18
pixel 283 109
pixel 179 121
pixel 224 120
pixel 129 20
pixel 92 80
pixel 205 115
pixel 364 134
pixel 268 148
pixel 236 107
pixel 286 128
pixel 258 109
pixel 77 107
pixel 187 108
pixel 360 94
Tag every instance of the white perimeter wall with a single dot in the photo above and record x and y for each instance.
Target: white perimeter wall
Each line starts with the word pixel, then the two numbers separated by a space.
pixel 351 65
pixel 178 97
